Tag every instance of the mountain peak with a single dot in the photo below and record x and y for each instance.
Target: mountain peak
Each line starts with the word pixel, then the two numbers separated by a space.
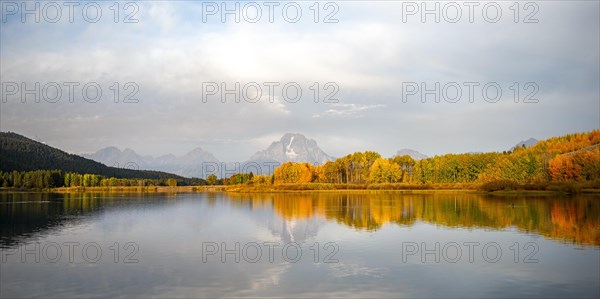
pixel 527 143
pixel 288 136
pixel 199 153
pixel 110 149
pixel 129 151
pixel 412 153
pixel 196 150
pixel 189 165
pixel 293 147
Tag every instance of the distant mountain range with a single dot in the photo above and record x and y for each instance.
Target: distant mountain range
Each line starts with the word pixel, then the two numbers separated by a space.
pixel 188 165
pixel 199 163
pixel 292 147
pixel 23 154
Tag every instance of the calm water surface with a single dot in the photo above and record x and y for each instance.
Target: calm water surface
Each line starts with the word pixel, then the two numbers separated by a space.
pixel 309 245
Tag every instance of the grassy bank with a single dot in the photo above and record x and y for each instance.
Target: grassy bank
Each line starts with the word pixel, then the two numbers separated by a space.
pixel 122 189
pixel 498 187
pixel 504 187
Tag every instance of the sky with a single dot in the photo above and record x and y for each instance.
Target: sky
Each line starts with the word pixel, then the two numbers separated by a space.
pixel 352 75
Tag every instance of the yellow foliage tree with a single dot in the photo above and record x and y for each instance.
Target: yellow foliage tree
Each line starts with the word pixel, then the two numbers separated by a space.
pixel 384 171
pixel 262 179
pixel 290 172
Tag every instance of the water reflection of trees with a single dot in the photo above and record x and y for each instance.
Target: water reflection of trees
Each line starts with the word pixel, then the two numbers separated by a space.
pixel 569 219
pixel 23 215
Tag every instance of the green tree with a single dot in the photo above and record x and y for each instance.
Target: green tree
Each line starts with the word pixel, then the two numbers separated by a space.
pixel 76 180
pixel 211 179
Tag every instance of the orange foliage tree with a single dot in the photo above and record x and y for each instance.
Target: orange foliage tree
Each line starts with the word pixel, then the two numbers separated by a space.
pixel 291 172
pixel 581 165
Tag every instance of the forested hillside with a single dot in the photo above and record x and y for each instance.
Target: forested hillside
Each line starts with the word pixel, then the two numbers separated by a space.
pixel 19 153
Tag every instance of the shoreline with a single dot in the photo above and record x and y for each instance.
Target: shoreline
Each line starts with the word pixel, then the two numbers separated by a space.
pixel 321 188
pixel 120 189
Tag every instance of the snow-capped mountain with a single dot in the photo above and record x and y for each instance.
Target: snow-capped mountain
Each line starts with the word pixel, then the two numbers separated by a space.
pixel 293 148
pixel 200 163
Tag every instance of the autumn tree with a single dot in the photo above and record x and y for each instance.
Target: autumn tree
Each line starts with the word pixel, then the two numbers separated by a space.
pixel 171 182
pixel 291 172
pixel 385 171
pixel 407 164
pixel 326 173
pixel 262 179
pixel 580 165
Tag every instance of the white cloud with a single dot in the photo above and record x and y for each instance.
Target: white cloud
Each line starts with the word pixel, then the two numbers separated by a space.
pixel 347 110
pixel 368 54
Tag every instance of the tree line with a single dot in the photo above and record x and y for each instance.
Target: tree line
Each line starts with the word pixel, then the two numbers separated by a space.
pixel 41 179
pixel 573 157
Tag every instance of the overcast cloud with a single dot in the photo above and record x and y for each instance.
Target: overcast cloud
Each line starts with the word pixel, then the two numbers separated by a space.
pixel 367 54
